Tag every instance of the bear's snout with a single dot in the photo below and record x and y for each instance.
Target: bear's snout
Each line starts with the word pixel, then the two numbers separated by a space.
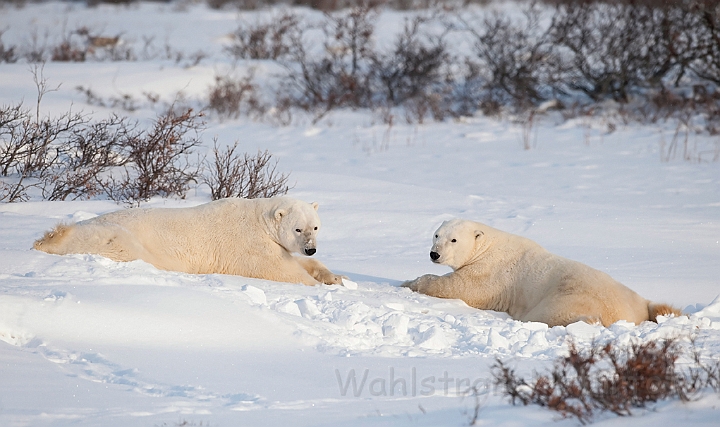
pixel 434 256
pixel 310 251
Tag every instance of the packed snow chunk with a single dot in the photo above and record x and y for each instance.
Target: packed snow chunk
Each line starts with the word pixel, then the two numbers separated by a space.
pixel 395 306
pixel 352 314
pixel 711 310
pixel 536 342
pixel 621 326
pixel 535 326
pixel 497 341
pixel 289 307
pixel 12 337
pixel 434 339
pixel 349 284
pixel 538 339
pixel 307 308
pixel 396 326
pixel 583 330
pixel 82 216
pixel 256 295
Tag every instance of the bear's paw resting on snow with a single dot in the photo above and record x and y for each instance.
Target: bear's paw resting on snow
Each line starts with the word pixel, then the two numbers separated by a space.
pixel 495 270
pixel 245 237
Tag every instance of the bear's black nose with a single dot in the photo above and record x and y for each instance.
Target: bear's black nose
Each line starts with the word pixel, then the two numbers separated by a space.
pixel 434 256
pixel 310 251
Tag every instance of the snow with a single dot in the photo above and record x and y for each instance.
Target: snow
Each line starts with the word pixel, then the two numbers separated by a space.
pixel 87 341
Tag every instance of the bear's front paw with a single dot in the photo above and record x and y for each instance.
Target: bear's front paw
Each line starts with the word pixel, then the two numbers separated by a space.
pixel 329 278
pixel 334 279
pixel 412 284
pixel 421 284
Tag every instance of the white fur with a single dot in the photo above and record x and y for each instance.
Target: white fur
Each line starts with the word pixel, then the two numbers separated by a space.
pixel 495 270
pixel 246 237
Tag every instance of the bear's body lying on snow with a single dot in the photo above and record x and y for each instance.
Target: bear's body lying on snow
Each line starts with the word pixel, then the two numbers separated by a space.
pixel 495 270
pixel 246 237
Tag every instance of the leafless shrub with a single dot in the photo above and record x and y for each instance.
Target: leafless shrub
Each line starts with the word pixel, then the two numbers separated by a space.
pixel 231 174
pixel 708 41
pixel 157 162
pixel 582 54
pixel 63 157
pixel 479 395
pixel 70 157
pixel 340 76
pixel 231 97
pixel 16 152
pixel 83 44
pixel 335 5
pixel 521 63
pixel 264 40
pixel 35 49
pixel 349 39
pixel 29 150
pixel 85 158
pixel 351 73
pixel 608 377
pixel 602 42
pixel 414 68
pixel 124 101
pixel 7 53
pixel 71 48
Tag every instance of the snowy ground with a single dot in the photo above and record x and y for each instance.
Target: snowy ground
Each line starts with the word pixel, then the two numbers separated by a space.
pixel 86 341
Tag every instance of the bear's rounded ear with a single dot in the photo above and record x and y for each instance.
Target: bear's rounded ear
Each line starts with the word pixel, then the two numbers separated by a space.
pixel 478 233
pixel 315 205
pixel 279 213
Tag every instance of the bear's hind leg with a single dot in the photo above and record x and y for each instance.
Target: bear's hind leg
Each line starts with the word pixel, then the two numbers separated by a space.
pixel 556 311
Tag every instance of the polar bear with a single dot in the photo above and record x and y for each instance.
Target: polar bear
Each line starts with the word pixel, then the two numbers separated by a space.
pixel 495 270
pixel 245 237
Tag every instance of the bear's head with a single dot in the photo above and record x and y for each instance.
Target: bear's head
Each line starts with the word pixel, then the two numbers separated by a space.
pixel 298 225
pixel 456 243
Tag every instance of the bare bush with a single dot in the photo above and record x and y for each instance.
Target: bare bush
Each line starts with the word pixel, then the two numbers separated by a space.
pixel 231 174
pixel 708 44
pixel 335 5
pixel 523 67
pixel 29 147
pixel 264 40
pixel 606 58
pixel 82 44
pixel 351 73
pixel 124 101
pixel 7 53
pixel 157 162
pixel 414 67
pixel 230 97
pixel 608 377
pixel 63 157
pixel 85 158
pixel 340 76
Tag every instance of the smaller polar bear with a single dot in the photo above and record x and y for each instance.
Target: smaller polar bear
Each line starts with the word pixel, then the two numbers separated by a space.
pixel 495 270
pixel 245 237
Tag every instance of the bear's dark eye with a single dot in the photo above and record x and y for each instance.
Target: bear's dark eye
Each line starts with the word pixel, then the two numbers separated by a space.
pixel 298 230
pixel 454 240
pixel 315 228
pixel 436 236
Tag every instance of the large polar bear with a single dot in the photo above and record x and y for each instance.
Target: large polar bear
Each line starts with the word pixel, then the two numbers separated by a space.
pixel 495 270
pixel 246 237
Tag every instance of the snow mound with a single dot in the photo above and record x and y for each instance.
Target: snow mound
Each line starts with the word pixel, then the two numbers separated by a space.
pixel 383 320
